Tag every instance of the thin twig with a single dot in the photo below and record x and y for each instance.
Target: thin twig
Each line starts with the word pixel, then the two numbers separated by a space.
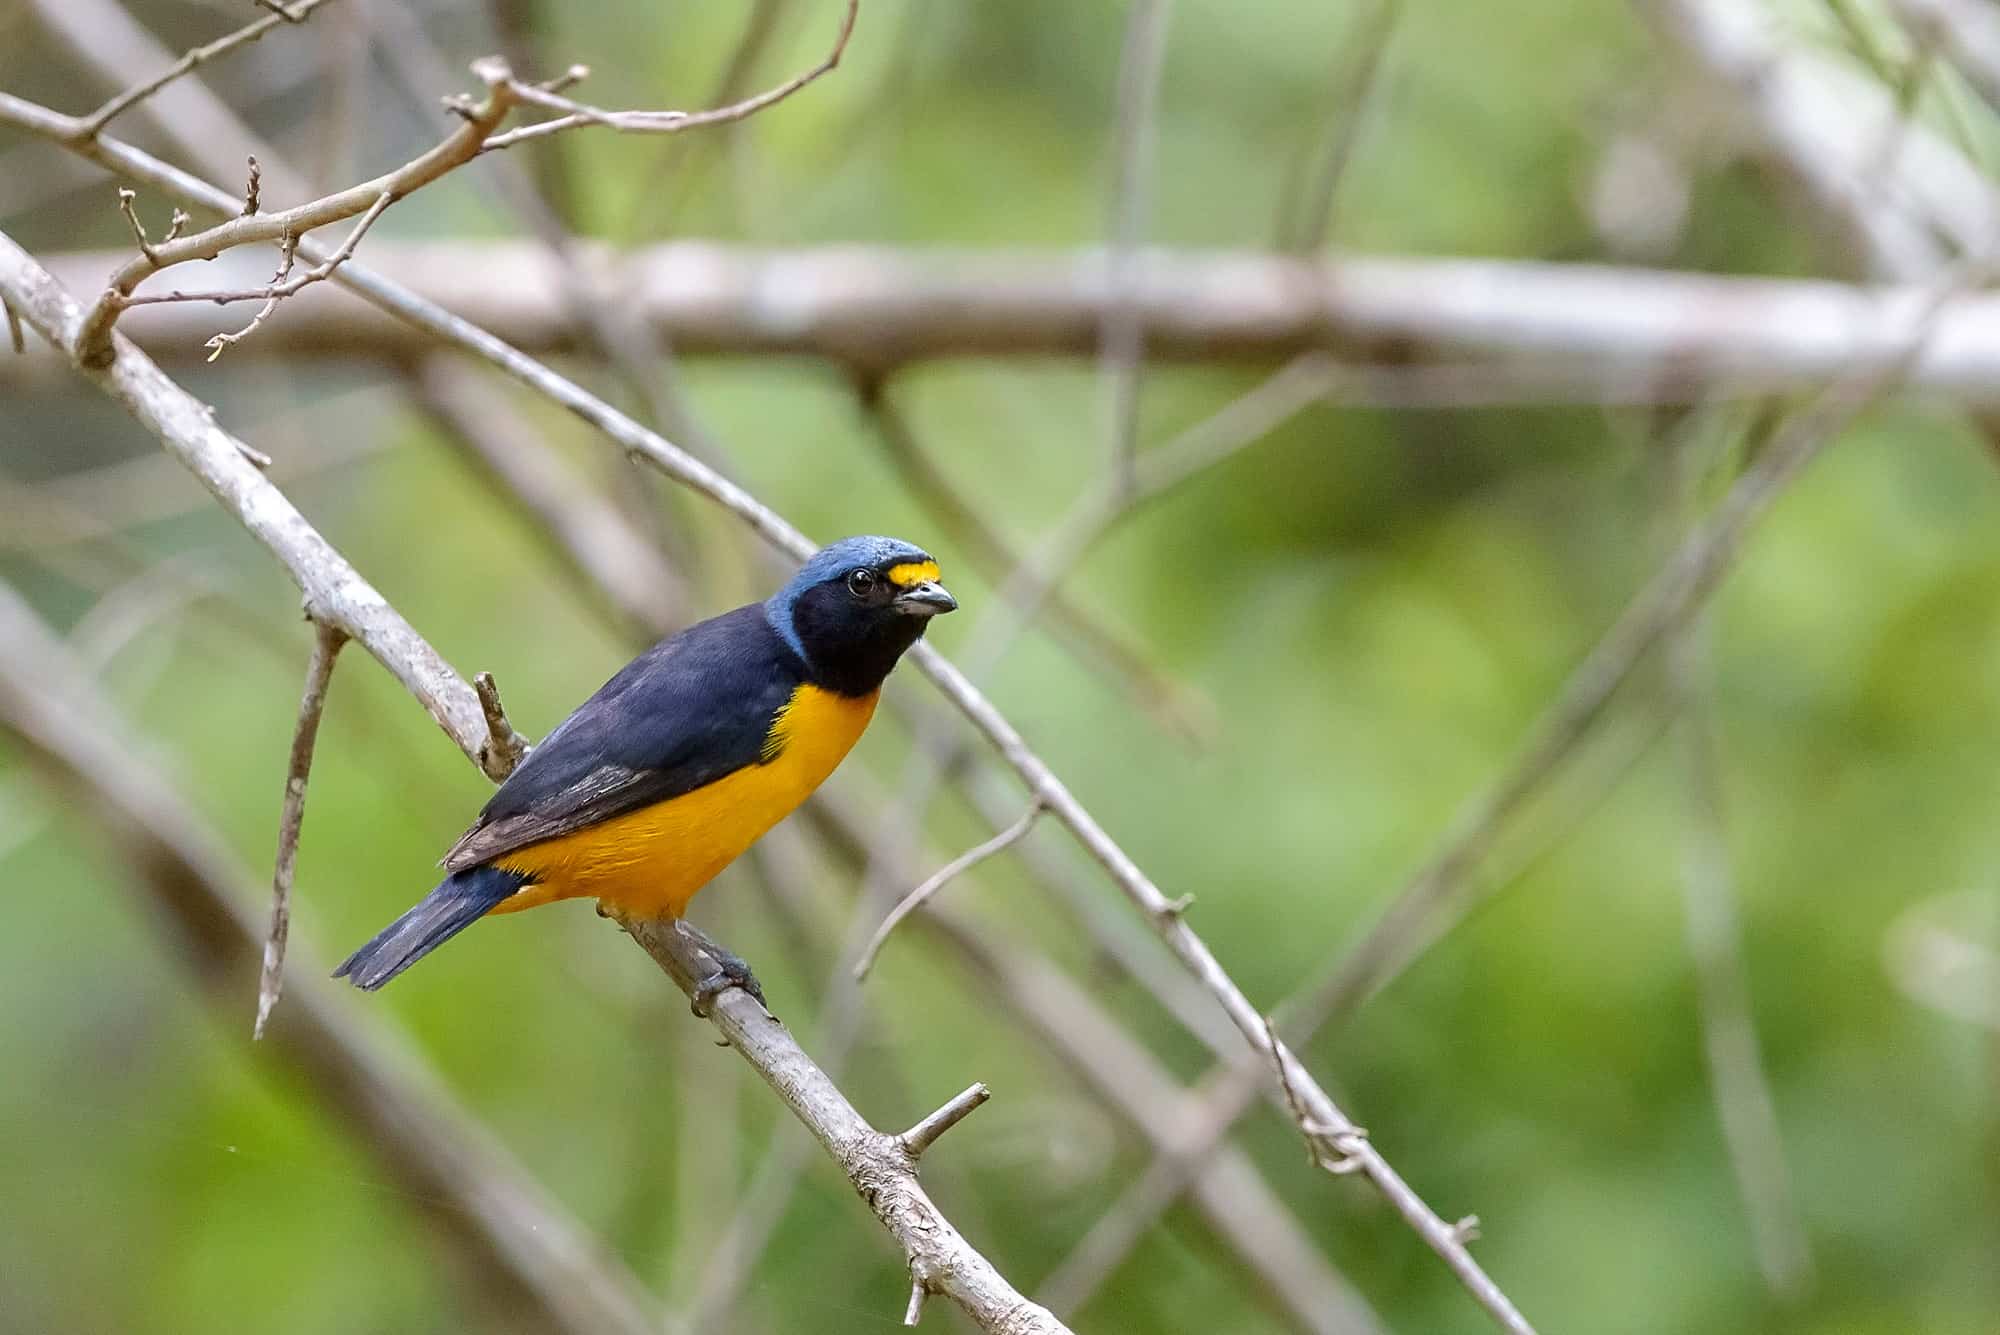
pixel 944 876
pixel 670 179
pixel 1744 1105
pixel 281 284
pixel 666 122
pixel 1355 86
pixel 297 13
pixel 312 703
pixel 1121 338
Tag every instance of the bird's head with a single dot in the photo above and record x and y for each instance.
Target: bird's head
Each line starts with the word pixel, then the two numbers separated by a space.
pixel 855 607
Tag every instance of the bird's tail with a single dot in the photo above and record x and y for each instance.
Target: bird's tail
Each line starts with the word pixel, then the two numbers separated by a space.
pixel 459 901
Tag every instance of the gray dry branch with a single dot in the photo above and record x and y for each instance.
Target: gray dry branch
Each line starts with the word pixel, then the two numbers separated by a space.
pixel 1486 332
pixel 941 1260
pixel 1163 912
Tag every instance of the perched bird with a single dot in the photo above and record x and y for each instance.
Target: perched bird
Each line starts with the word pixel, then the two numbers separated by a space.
pixel 683 759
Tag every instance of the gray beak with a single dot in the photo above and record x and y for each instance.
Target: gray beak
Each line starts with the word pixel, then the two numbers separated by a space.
pixel 927 599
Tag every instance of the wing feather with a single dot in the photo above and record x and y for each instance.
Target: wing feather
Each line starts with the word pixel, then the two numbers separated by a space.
pixel 692 709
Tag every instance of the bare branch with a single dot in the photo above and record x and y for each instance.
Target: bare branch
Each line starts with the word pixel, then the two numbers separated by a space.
pixel 667 122
pixel 281 285
pixel 882 1168
pixel 925 1133
pixel 312 703
pixel 519 1243
pixel 194 59
pixel 944 876
pixel 1498 331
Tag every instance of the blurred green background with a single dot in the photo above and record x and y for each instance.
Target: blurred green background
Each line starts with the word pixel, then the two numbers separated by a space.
pixel 1377 604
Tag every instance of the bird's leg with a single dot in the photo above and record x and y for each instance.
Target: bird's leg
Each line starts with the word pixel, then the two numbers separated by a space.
pixel 729 971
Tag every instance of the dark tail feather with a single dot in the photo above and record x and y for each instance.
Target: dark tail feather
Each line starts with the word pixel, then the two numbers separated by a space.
pixel 459 901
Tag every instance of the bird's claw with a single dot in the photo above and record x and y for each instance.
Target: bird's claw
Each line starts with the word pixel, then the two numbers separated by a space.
pixel 730 971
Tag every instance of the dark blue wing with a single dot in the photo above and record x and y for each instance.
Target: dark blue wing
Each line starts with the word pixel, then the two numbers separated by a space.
pixel 693 708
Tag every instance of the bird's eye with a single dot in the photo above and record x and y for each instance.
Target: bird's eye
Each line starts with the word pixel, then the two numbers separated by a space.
pixel 860 582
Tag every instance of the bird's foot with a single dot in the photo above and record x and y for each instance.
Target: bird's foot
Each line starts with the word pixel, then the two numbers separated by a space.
pixel 730 971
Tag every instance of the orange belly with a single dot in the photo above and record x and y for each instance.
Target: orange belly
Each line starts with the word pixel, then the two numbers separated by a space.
pixel 650 862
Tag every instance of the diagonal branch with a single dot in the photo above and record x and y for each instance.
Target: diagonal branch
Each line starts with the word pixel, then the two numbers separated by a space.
pixel 299 12
pixel 312 703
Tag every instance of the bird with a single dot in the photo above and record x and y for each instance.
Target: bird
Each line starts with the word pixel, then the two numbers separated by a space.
pixel 683 759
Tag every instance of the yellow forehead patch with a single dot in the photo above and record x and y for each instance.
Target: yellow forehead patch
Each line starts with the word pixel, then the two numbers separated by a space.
pixel 912 573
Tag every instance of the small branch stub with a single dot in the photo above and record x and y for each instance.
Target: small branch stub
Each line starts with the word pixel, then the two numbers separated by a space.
pixel 925 1134
pixel 505 748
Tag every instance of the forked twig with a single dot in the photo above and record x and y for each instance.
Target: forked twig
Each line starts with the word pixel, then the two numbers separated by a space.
pixel 576 114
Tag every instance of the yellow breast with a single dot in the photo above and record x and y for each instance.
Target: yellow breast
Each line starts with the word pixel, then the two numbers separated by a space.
pixel 650 862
